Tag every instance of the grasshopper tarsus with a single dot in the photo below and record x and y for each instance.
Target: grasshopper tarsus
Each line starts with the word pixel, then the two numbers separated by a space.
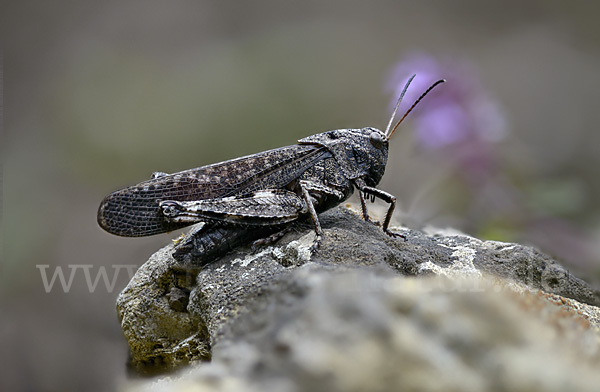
pixel 393 234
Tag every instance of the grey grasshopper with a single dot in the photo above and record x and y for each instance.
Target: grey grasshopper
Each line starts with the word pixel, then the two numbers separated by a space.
pixel 259 195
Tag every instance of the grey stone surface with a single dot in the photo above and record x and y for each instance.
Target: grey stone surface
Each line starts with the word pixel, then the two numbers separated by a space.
pixel 368 312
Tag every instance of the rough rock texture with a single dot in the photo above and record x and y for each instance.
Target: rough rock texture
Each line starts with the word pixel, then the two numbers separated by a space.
pixel 439 311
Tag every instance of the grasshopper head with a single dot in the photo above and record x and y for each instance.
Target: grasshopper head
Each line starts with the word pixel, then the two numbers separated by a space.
pixel 371 153
pixel 360 153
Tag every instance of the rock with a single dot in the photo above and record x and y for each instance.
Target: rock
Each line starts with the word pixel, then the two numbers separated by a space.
pixel 437 311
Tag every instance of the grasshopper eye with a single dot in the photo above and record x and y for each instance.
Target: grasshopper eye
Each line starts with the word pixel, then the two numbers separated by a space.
pixel 376 139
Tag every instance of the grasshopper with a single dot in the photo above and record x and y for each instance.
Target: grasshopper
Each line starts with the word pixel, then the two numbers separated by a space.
pixel 257 195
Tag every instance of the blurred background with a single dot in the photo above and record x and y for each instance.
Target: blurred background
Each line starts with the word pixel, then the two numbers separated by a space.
pixel 99 95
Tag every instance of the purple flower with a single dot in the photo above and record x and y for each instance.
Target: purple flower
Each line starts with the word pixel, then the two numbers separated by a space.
pixel 459 112
pixel 461 121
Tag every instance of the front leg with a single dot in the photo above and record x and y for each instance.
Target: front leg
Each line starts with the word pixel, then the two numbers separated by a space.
pixel 387 197
pixel 363 206
pixel 359 183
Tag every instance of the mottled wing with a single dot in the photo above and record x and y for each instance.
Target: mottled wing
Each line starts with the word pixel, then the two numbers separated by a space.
pixel 134 211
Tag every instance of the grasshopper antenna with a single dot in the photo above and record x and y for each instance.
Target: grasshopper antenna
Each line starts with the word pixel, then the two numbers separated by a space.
pixel 413 105
pixel 398 103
